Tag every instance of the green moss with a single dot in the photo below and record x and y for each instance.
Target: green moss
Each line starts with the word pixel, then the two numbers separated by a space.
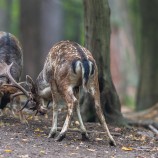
pixel 15 13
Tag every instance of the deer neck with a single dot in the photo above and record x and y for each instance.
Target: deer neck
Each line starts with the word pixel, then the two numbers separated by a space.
pixel 43 86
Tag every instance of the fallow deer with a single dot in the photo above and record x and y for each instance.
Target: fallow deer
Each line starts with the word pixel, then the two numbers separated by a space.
pixel 67 68
pixel 10 54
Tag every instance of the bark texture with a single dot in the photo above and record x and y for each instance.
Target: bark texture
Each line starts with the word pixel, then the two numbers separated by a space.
pixel 147 88
pixel 30 36
pixel 97 40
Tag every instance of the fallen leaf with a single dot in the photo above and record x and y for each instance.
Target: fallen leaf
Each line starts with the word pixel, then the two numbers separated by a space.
pixel 77 148
pixel 42 152
pixel 117 129
pixel 30 118
pixel 24 156
pixel 8 151
pixel 90 149
pixel 98 139
pixel 38 130
pixel 127 148
pixel 38 135
pixel 25 140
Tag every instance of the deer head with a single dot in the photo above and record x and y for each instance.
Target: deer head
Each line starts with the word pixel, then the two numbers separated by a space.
pixel 34 96
pixel 31 95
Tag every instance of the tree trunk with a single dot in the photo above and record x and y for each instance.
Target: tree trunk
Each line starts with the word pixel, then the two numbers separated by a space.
pixel 5 16
pixel 124 67
pixel 97 36
pixel 30 36
pixel 147 90
pixel 51 25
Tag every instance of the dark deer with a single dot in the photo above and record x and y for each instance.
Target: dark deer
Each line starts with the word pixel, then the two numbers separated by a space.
pixel 11 57
pixel 67 68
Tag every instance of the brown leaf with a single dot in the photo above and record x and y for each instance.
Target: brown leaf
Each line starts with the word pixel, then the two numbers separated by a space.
pixel 25 140
pixel 91 150
pixel 117 129
pixel 127 148
pixel 98 139
pixel 8 150
pixel 38 130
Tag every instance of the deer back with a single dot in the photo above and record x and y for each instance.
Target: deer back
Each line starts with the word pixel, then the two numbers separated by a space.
pixel 11 52
pixel 70 63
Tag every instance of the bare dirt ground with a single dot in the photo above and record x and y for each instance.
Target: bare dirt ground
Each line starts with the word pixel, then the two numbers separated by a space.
pixel 21 141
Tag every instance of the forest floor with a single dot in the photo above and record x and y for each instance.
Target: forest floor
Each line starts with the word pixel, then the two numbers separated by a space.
pixel 30 141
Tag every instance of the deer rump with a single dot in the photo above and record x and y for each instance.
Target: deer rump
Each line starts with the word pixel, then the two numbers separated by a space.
pixel 70 63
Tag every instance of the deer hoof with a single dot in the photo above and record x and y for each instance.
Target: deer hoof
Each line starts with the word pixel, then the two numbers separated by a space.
pixel 60 137
pixel 112 143
pixel 85 136
pixel 52 134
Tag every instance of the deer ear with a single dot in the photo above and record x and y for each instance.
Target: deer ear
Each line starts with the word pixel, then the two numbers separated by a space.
pixel 29 81
pixel 31 84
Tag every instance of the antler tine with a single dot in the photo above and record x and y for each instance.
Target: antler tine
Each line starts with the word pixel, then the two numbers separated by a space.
pixel 9 85
pixel 25 105
pixel 14 82
pixel 16 94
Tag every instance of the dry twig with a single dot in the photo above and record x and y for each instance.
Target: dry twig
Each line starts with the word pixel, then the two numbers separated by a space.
pixel 151 127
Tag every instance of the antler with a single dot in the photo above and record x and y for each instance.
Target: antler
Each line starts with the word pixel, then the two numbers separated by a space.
pixel 6 73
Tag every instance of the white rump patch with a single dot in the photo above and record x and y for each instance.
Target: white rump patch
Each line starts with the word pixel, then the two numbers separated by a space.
pixel 90 67
pixel 78 67
pixel 46 91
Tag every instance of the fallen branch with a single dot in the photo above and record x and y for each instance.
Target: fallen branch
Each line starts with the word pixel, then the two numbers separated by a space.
pixel 77 130
pixel 151 113
pixel 151 127
pixel 146 124
pixel 141 123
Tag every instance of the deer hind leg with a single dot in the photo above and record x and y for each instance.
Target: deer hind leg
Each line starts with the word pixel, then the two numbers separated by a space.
pixel 82 127
pixel 53 130
pixel 94 90
pixel 71 101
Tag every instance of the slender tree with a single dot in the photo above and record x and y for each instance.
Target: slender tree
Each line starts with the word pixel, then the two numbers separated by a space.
pixel 5 15
pixel 30 36
pixel 51 25
pixel 97 40
pixel 147 89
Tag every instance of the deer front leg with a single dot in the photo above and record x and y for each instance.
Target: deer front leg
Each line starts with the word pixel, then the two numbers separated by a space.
pixel 82 127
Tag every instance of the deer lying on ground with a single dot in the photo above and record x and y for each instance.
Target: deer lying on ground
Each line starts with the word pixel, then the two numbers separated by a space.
pixel 10 54
pixel 67 68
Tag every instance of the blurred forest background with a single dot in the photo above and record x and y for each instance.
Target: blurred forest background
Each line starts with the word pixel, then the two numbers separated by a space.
pixel 39 24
